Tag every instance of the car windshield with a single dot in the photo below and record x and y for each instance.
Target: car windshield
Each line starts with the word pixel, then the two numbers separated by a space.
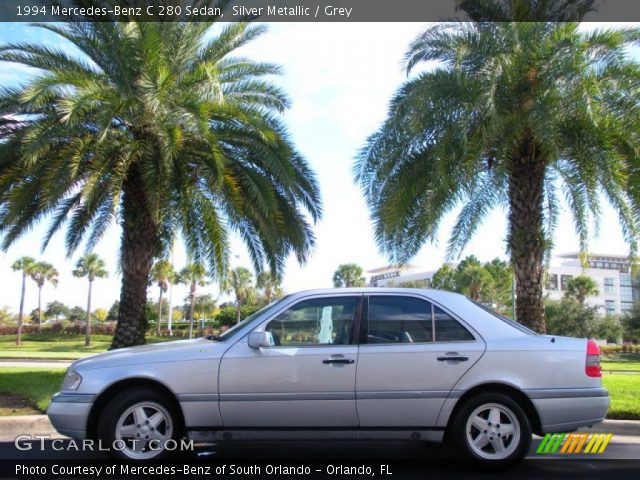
pixel 229 333
pixel 511 322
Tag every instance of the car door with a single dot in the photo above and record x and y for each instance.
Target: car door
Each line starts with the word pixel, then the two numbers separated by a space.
pixel 306 378
pixel 412 352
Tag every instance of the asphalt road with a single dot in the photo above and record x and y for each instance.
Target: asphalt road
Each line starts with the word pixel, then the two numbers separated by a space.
pixel 403 460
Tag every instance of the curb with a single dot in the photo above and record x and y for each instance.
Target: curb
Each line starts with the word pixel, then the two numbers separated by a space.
pixel 38 360
pixel 617 427
pixel 11 427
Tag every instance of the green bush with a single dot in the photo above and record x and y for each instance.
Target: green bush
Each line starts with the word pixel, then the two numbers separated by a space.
pixel 567 317
pixel 227 315
pixel 609 329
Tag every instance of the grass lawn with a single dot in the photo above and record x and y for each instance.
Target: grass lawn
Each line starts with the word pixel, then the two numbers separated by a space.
pixel 624 394
pixel 621 361
pixel 34 385
pixel 57 346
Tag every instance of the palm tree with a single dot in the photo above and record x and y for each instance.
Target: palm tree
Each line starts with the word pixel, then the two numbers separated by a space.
pixel 476 282
pixel 42 272
pixel 241 284
pixel 206 306
pixel 525 10
pixel 269 283
pixel 581 287
pixel 510 112
pixel 162 129
pixel 193 275
pixel 162 273
pixel 502 275
pixel 348 275
pixel 445 278
pixel 24 265
pixel 91 266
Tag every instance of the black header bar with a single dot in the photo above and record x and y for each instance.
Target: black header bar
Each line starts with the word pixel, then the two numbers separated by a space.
pixel 293 10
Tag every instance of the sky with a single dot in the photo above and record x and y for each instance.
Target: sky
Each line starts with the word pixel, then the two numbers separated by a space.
pixel 340 78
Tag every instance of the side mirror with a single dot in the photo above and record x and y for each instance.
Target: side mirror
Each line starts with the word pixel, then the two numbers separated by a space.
pixel 260 340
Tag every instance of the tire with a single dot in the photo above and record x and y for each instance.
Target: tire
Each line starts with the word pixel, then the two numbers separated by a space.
pixel 136 423
pixel 477 435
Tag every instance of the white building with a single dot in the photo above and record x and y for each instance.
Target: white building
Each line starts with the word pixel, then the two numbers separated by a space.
pixel 617 290
pixel 612 273
pixel 393 275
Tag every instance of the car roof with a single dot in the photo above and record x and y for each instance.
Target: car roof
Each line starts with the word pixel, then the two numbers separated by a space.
pixel 432 293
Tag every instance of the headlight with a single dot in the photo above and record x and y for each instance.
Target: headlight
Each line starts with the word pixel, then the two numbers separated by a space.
pixel 72 380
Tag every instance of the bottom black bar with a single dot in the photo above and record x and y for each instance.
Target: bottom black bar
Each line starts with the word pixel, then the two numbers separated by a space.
pixel 212 467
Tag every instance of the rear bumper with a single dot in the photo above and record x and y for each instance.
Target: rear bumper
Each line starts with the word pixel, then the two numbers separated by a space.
pixel 68 413
pixel 565 410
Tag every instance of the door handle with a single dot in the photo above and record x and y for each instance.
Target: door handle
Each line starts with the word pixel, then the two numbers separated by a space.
pixel 453 358
pixel 328 361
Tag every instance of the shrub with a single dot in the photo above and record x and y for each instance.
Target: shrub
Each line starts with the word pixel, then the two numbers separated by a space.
pixel 227 315
pixel 62 327
pixel 568 317
pixel 609 329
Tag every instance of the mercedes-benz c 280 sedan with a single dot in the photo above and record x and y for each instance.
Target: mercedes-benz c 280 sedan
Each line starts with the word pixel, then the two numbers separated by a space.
pixel 367 363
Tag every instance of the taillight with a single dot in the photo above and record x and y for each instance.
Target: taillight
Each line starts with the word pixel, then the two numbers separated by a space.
pixel 592 367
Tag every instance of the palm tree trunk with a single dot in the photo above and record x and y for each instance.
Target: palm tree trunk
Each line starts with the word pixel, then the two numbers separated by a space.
pixel 526 236
pixel 39 308
pixel 191 309
pixel 139 244
pixel 238 311
pixel 159 313
pixel 87 338
pixel 21 313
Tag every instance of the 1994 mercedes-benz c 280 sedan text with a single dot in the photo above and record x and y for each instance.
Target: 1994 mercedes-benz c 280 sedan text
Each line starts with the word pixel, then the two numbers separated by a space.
pixel 344 364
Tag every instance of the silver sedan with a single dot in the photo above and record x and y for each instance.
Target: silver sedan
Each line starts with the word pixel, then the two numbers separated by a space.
pixel 366 363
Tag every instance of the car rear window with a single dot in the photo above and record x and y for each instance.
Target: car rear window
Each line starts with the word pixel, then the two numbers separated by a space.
pixel 506 320
pixel 399 320
pixel 449 329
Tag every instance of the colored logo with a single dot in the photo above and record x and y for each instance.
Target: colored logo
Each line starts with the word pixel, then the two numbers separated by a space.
pixel 574 443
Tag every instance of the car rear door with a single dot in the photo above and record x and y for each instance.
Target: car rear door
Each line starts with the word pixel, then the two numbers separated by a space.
pixel 306 379
pixel 412 352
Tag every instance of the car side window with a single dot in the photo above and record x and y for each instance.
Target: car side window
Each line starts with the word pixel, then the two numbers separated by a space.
pixel 320 321
pixel 448 329
pixel 398 319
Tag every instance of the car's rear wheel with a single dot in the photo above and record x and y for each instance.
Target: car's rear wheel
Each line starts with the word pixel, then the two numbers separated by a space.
pixel 492 429
pixel 138 423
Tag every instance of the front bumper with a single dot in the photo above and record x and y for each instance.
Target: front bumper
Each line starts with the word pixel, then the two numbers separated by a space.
pixel 69 413
pixel 567 411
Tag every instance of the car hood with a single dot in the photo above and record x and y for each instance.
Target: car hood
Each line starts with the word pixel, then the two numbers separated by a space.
pixel 175 351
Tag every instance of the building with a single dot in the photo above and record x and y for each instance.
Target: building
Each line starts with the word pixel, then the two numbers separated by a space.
pixel 393 275
pixel 616 286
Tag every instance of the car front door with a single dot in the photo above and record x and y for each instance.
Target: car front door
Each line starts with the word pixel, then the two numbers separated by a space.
pixel 412 354
pixel 306 378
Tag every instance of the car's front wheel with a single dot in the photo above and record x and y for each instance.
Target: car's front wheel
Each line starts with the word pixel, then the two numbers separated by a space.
pixel 493 429
pixel 138 423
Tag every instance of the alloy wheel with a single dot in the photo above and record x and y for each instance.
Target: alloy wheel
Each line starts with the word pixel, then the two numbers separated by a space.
pixel 493 431
pixel 143 429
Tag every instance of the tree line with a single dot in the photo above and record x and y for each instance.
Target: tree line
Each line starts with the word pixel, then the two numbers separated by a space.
pixel 250 294
pixel 89 266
